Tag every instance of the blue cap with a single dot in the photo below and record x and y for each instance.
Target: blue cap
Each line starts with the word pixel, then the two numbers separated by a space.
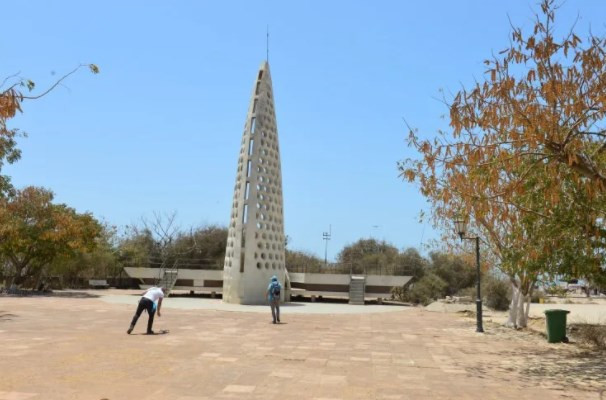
pixel 274 278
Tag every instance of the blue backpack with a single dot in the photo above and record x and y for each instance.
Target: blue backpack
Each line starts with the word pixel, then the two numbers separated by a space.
pixel 275 290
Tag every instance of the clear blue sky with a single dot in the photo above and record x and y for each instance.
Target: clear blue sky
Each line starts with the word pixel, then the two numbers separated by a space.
pixel 159 128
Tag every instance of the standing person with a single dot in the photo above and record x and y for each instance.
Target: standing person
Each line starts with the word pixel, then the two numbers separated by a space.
pixel 148 302
pixel 273 296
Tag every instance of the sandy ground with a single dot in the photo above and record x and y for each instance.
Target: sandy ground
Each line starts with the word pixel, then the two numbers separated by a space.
pixel 74 346
pixel 592 311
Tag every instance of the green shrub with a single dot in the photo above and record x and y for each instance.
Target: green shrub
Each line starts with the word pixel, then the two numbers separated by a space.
pixel 470 292
pixel 556 290
pixel 496 292
pixel 398 293
pixel 457 273
pixel 426 290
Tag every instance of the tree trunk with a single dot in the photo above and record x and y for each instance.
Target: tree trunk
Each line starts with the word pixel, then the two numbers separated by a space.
pixel 519 307
pixel 512 321
pixel 522 317
pixel 19 277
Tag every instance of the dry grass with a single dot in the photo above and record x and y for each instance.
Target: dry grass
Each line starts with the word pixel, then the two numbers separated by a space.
pixel 592 334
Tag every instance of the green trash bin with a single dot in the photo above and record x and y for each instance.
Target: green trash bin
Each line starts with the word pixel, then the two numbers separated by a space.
pixel 556 325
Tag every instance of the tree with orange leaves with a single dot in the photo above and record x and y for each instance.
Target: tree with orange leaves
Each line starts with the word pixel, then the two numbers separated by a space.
pixel 526 158
pixel 11 98
pixel 34 231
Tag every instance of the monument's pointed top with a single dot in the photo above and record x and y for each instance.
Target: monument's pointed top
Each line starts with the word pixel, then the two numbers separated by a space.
pixel 264 71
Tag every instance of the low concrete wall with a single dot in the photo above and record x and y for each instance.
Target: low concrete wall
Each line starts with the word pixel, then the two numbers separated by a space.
pixel 337 285
pixel 322 279
pixel 306 284
pixel 201 280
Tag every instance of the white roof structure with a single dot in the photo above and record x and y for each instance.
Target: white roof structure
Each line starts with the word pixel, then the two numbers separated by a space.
pixel 255 242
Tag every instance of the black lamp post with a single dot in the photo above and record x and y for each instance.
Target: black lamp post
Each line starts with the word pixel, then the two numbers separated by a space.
pixel 461 227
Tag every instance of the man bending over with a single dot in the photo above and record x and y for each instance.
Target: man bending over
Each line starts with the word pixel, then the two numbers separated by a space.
pixel 148 302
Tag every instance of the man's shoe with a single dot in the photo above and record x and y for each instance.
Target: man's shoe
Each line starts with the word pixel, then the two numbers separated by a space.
pixel 130 329
pixel 150 333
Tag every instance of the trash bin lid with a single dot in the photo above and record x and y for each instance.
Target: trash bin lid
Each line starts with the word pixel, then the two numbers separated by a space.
pixel 556 311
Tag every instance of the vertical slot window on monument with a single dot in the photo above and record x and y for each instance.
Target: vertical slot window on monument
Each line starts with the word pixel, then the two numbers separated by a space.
pixel 245 214
pixel 258 87
pixel 250 147
pixel 246 191
pixel 249 169
pixel 255 105
pixel 253 124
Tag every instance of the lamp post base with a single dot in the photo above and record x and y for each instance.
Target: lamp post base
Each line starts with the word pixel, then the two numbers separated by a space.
pixel 479 327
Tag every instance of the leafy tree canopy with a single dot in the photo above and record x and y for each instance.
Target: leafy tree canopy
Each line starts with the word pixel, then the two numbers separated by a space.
pixel 34 231
pixel 525 158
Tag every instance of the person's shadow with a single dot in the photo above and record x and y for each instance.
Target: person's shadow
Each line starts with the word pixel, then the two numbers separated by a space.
pixel 161 332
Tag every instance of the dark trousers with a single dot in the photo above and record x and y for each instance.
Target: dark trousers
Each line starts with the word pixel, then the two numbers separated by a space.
pixel 144 304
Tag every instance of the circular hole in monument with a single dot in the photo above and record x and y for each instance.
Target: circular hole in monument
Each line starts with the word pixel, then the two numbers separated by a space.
pixel 273 265
pixel 260 245
pixel 266 265
pixel 259 265
pixel 263 256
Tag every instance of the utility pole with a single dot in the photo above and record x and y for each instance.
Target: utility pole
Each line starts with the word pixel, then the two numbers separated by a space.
pixel 326 237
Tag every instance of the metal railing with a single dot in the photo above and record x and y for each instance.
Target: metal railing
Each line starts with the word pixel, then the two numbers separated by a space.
pixel 351 269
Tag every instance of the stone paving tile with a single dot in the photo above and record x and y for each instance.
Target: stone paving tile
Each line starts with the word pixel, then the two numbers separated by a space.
pixel 16 395
pixel 48 353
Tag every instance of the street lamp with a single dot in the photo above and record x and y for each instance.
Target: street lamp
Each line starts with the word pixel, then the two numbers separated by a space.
pixel 461 228
pixel 326 237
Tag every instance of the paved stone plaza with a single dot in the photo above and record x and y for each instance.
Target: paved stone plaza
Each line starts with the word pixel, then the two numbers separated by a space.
pixel 76 347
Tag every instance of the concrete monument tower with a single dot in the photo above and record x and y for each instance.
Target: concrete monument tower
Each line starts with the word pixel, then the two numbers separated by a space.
pixel 255 242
